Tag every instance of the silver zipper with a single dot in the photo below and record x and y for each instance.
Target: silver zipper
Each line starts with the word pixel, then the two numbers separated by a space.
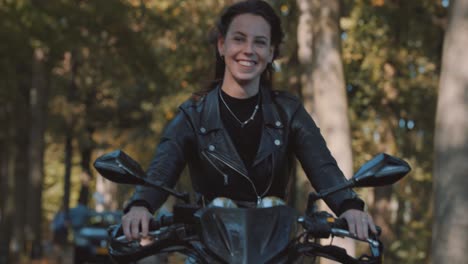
pixel 226 177
pixel 271 180
pixel 259 198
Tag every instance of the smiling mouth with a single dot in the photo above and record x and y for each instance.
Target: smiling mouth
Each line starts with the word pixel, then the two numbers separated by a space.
pixel 246 63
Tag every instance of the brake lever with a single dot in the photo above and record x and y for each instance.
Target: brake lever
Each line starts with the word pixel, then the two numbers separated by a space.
pixel 373 243
pixel 114 230
pixel 152 235
pixel 322 225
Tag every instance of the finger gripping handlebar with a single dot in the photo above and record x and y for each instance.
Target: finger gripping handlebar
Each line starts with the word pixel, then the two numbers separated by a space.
pixel 342 224
pixel 320 224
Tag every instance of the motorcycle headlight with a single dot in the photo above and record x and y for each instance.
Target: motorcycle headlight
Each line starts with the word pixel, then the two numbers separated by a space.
pixel 271 201
pixel 222 202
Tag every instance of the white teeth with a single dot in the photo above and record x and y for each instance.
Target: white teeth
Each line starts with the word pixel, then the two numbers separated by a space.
pixel 246 63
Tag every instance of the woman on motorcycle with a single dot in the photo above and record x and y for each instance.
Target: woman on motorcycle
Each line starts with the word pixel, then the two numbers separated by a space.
pixel 240 137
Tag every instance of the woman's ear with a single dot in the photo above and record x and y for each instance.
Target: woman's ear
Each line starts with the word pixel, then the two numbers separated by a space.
pixel 272 54
pixel 220 45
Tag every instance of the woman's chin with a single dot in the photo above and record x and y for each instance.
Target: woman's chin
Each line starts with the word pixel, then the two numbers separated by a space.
pixel 247 80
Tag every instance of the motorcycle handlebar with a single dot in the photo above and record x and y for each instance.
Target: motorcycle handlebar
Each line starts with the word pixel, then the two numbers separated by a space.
pixel 324 225
pixel 318 225
pixel 116 231
pixel 321 224
pixel 164 230
pixel 165 220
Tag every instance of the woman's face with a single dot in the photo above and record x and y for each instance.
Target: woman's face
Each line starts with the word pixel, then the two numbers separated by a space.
pixel 246 49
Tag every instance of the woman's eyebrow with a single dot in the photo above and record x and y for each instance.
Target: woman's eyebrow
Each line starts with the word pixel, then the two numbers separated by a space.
pixel 239 33
pixel 262 37
pixel 244 35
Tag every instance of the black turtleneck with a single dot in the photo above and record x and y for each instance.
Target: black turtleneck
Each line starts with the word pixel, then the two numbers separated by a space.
pixel 247 138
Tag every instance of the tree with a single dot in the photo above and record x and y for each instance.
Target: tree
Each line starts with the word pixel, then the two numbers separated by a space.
pixel 323 82
pixel 21 127
pixel 391 52
pixel 6 179
pixel 450 230
pixel 14 118
pixel 304 55
pixel 38 109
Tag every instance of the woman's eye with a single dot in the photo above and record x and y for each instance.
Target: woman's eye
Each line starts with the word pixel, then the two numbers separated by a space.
pixel 238 39
pixel 260 42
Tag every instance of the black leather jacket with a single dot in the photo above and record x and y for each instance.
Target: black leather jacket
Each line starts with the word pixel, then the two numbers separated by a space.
pixel 196 137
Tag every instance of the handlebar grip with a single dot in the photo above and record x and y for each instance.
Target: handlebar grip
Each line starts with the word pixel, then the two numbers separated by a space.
pixel 319 224
pixel 115 231
pixel 340 223
pixel 164 220
pixel 154 224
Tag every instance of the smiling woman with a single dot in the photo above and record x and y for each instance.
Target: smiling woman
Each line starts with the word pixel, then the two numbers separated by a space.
pixel 243 20
pixel 246 50
pixel 240 137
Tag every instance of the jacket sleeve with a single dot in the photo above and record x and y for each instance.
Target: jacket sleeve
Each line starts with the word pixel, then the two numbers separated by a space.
pixel 318 163
pixel 167 164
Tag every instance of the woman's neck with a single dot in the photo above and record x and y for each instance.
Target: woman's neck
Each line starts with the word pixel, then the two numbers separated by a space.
pixel 241 91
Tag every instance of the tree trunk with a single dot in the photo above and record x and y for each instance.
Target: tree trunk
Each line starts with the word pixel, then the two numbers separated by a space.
pixel 86 150
pixel 38 108
pixel 105 196
pixel 304 54
pixel 21 124
pixel 6 182
pixel 382 208
pixel 69 128
pixel 330 101
pixel 87 144
pixel 68 150
pixel 450 230
pixel 323 80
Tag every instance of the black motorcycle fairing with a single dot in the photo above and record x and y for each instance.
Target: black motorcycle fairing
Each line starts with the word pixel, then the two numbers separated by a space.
pixel 247 235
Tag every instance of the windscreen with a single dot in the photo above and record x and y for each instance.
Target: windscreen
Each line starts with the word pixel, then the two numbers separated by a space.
pixel 248 235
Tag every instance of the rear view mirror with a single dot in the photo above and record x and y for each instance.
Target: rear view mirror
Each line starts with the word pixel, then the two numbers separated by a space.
pixel 382 170
pixel 118 167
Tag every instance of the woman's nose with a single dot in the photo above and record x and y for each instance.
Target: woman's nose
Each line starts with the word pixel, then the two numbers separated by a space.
pixel 248 47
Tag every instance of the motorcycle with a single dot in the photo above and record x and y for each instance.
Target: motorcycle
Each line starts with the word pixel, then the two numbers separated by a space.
pixel 224 233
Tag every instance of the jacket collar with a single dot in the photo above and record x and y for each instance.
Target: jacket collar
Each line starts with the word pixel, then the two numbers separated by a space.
pixel 211 117
pixel 269 111
pixel 272 131
pixel 271 137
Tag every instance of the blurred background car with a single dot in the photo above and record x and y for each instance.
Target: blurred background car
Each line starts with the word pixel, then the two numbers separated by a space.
pixel 91 240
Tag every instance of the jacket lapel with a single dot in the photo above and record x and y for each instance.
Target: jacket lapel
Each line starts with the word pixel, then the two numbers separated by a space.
pixel 218 142
pixel 210 117
pixel 216 139
pixel 272 131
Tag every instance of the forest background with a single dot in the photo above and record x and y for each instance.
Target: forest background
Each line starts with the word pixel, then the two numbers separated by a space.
pixel 81 78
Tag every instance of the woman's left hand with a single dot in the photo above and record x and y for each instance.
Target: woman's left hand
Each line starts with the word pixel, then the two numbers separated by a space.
pixel 359 223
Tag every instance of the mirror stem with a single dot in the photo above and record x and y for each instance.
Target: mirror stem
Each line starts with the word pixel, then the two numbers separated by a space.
pixel 183 196
pixel 324 193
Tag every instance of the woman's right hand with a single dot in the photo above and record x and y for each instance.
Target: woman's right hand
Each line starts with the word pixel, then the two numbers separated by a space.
pixel 137 216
